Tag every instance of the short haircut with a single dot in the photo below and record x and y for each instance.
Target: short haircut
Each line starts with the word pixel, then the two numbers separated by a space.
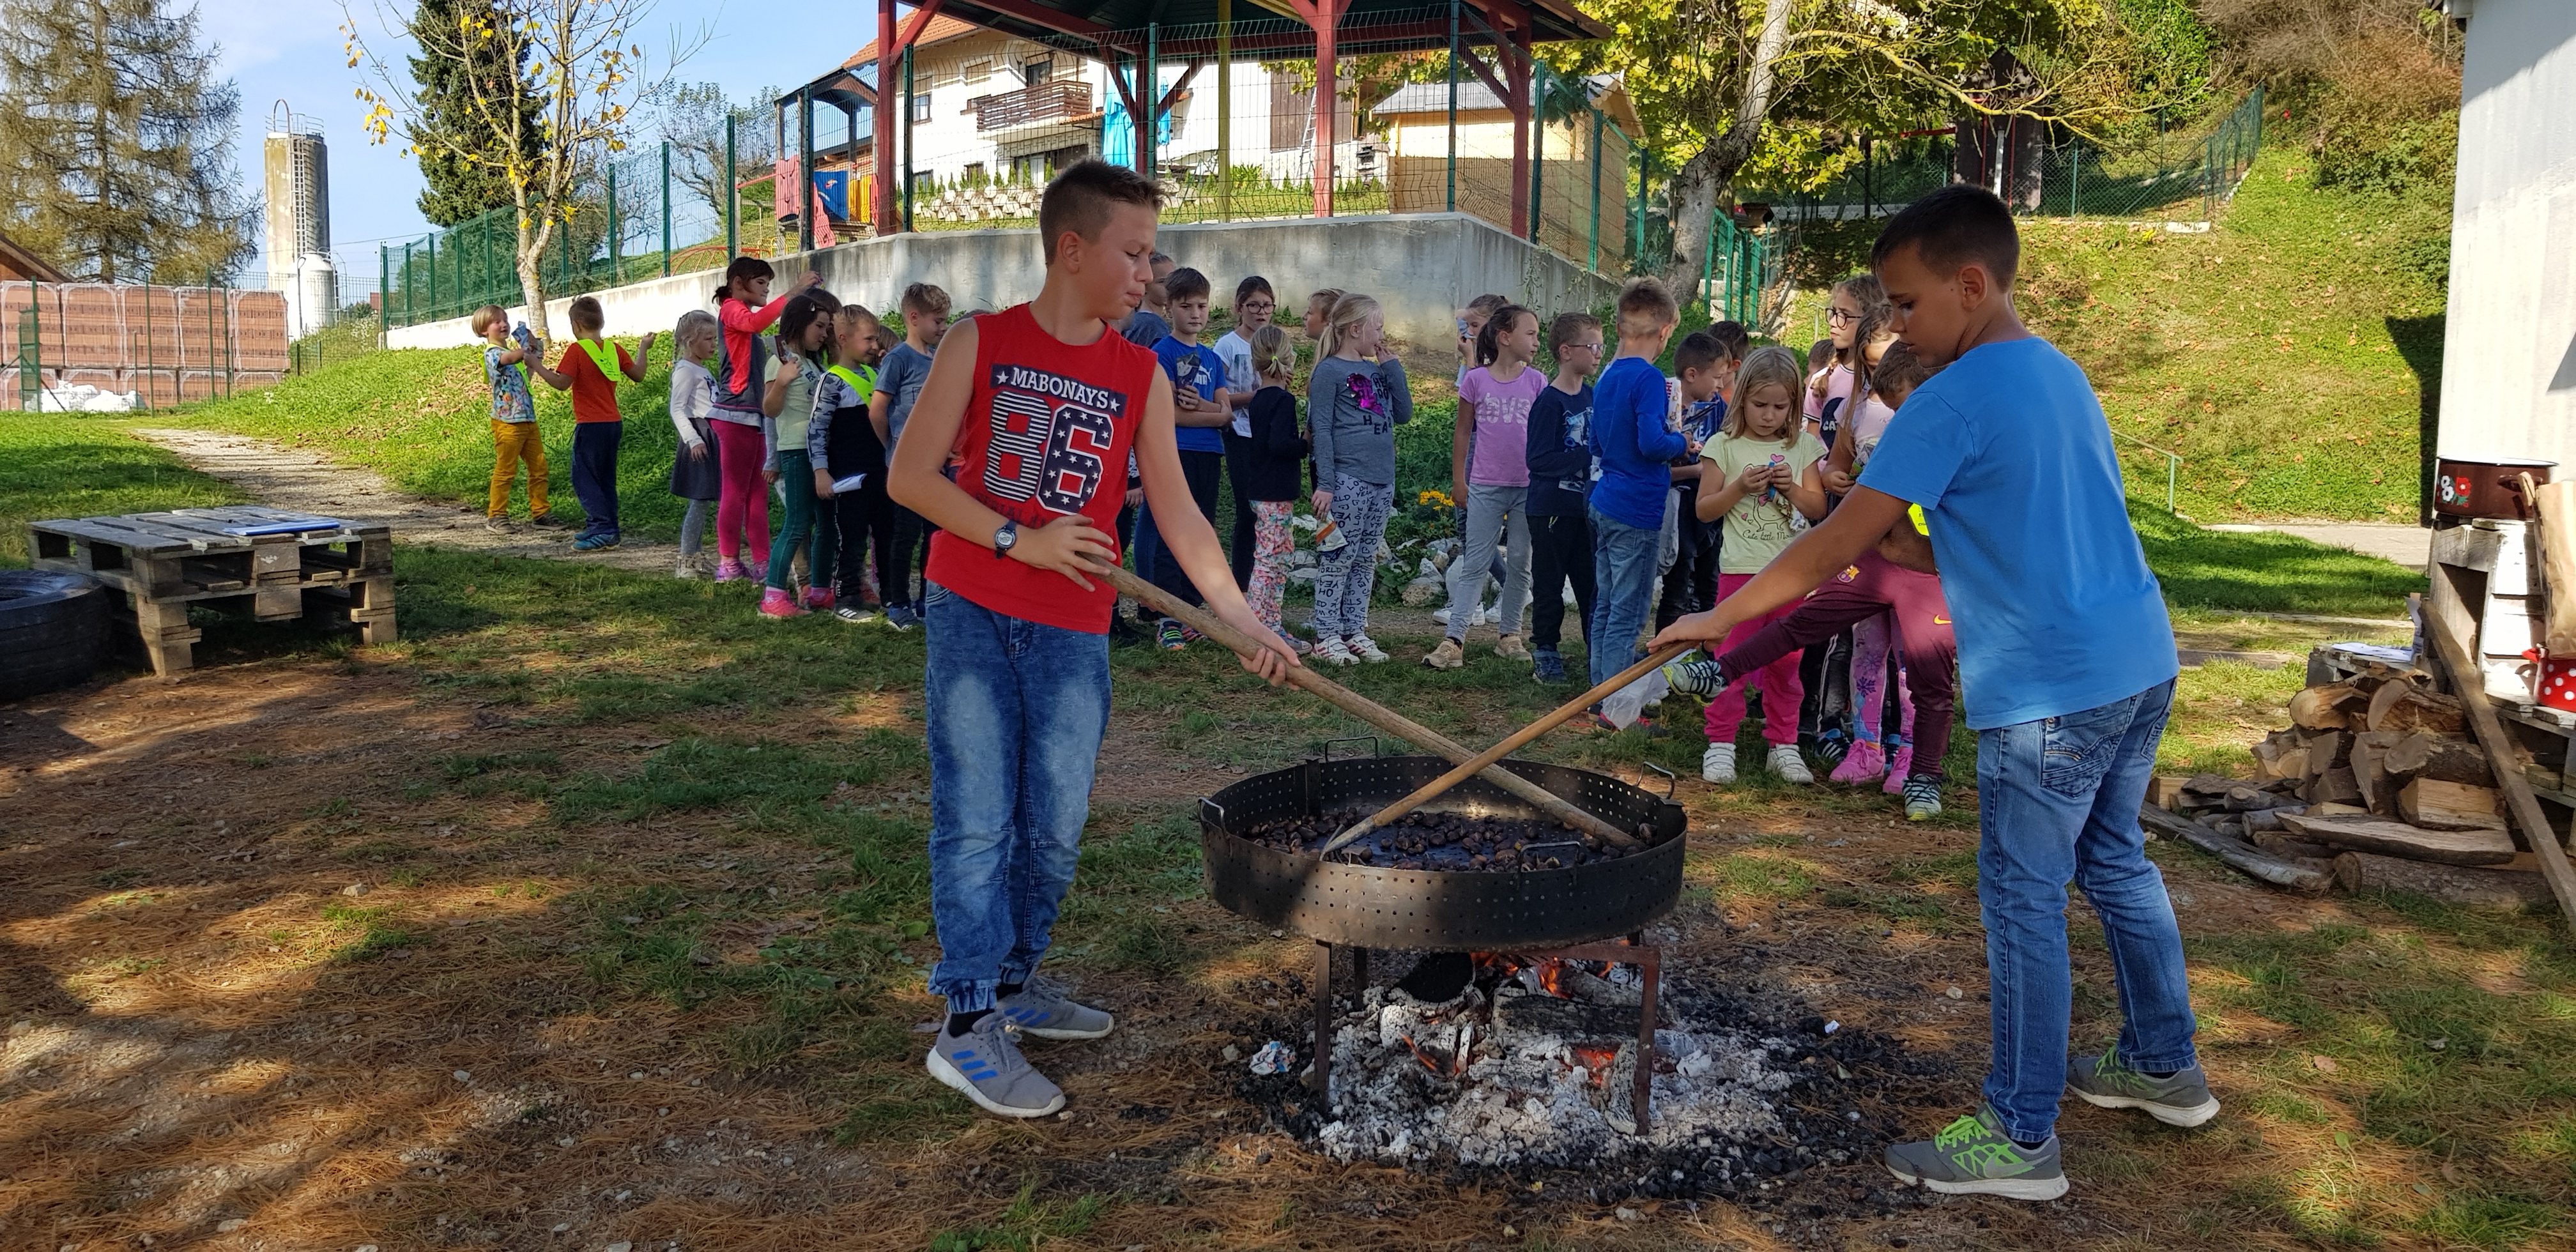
pixel 1273 353
pixel 586 314
pixel 1767 366
pixel 924 300
pixel 1081 199
pixel 1255 284
pixel 488 316
pixel 1568 327
pixel 1899 372
pixel 1645 307
pixel 692 322
pixel 1955 226
pixel 1698 350
pixel 1159 257
pixel 1186 284
pixel 1732 338
pixel 858 313
pixel 1486 304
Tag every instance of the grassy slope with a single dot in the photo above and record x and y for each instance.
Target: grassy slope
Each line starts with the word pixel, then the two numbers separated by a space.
pixel 2285 354
pixel 75 465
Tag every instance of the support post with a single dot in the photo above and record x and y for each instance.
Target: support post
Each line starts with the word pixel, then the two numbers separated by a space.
pixel 384 292
pixel 407 285
pixel 1537 150
pixel 1868 184
pixel 1148 114
pixel 1596 191
pixel 1517 70
pixel 2074 181
pixel 1453 105
pixel 881 146
pixel 616 227
pixel 733 195
pixel 1328 16
pixel 907 137
pixel 666 208
pixel 1225 110
pixel 804 198
pixel 433 276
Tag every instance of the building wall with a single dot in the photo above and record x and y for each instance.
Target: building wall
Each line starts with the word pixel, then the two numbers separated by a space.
pixel 2509 347
pixel 1421 267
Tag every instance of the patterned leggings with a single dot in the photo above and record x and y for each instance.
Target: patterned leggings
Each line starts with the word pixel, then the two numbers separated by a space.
pixel 1273 542
pixel 1872 640
pixel 1346 577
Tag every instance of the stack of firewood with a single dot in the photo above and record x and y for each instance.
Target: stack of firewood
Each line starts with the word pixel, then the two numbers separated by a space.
pixel 2375 786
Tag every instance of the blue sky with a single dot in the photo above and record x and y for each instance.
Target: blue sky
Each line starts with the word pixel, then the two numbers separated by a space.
pixel 291 50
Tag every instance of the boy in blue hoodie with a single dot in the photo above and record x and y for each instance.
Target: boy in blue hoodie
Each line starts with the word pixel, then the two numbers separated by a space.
pixel 2066 658
pixel 1636 451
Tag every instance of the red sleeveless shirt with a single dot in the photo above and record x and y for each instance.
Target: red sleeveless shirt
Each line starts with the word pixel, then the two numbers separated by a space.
pixel 1046 433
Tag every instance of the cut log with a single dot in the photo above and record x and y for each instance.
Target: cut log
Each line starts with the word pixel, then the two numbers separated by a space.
pixel 2359 872
pixel 2382 700
pixel 2338 786
pixel 2336 810
pixel 2292 765
pixel 2422 754
pixel 2270 819
pixel 2165 791
pixel 2246 798
pixel 2557 503
pixel 2293 848
pixel 2438 805
pixel 2239 855
pixel 2377 794
pixel 2426 710
pixel 2327 749
pixel 2378 834
pixel 2324 708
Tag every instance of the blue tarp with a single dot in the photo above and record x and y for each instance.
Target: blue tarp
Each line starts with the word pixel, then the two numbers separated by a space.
pixel 834 188
pixel 1118 134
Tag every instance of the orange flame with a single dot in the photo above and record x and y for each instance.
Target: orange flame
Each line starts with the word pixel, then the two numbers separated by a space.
pixel 1596 1060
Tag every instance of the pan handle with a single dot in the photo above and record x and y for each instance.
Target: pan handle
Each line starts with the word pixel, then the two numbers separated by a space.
pixel 1209 802
pixel 1670 782
pixel 1375 748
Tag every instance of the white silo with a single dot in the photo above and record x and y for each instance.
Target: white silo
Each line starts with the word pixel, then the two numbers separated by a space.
pixel 298 178
pixel 315 297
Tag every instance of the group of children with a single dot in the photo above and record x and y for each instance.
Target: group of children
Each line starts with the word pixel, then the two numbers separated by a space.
pixel 1036 428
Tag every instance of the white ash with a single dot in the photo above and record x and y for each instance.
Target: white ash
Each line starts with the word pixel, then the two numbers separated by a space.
pixel 1526 1097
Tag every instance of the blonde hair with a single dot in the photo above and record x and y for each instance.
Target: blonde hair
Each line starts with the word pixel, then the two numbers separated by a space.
pixel 1273 355
pixel 1349 311
pixel 692 322
pixel 1767 366
pixel 487 316
pixel 1646 307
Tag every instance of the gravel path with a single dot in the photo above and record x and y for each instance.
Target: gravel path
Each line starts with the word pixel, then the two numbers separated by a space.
pixel 289 478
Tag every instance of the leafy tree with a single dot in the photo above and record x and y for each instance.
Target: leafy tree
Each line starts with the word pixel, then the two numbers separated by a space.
pixel 693 117
pixel 115 141
pixel 460 189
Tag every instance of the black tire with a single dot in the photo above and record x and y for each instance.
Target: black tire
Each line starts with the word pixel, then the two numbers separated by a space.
pixel 53 630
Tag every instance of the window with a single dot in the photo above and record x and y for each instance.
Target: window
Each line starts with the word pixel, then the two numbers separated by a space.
pixel 921 106
pixel 1037 70
pixel 974 175
pixel 924 185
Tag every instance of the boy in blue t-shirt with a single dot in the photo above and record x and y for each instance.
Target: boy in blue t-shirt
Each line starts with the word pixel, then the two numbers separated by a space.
pixel 1202 406
pixel 899 378
pixel 2067 663
pixel 1636 451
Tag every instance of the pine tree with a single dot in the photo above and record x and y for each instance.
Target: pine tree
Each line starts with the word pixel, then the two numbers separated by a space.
pixel 115 141
pixel 460 189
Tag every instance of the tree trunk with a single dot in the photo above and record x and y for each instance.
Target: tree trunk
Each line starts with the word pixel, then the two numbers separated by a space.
pixel 1692 193
pixel 532 251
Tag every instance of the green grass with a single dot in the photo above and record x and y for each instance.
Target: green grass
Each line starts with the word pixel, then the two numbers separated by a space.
pixel 81 465
pixel 2289 354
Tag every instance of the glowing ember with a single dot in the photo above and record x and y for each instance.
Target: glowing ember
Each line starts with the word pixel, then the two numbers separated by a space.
pixel 1595 1059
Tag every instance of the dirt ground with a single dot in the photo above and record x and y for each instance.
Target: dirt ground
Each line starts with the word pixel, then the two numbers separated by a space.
pixel 191 1059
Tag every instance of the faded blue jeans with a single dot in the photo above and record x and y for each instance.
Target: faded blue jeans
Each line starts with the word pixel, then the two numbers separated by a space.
pixel 1623 578
pixel 2058 802
pixel 1016 711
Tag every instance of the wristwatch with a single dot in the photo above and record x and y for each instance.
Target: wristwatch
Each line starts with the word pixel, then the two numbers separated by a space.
pixel 1008 535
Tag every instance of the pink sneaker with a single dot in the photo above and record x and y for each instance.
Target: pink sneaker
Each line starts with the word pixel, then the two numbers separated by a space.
pixel 730 570
pixel 1899 768
pixel 1863 764
pixel 777 603
pixel 820 599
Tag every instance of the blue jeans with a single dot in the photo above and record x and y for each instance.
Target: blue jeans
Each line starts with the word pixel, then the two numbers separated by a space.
pixel 594 474
pixel 1015 713
pixel 2058 802
pixel 1623 578
pixel 808 524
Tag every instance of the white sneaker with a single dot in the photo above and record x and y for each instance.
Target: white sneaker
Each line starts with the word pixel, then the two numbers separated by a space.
pixel 1717 765
pixel 1365 648
pixel 1330 650
pixel 1791 767
pixel 1441 615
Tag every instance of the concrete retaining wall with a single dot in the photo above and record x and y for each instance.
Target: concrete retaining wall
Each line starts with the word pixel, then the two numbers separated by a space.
pixel 1422 267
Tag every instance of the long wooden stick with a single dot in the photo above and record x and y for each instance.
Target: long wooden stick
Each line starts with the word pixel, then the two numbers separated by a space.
pixel 1466 769
pixel 1367 710
pixel 2239 855
pixel 2469 683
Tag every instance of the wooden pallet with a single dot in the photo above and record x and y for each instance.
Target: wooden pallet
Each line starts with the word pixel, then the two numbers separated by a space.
pixel 297 566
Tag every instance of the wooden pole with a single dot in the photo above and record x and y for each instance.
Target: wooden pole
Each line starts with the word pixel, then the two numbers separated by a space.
pixel 881 140
pixel 1327 88
pixel 1468 768
pixel 2524 808
pixel 1225 110
pixel 1365 709
pixel 2556 503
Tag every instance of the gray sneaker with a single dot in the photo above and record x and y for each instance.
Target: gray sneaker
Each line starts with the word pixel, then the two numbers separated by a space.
pixel 1042 1009
pixel 986 1064
pixel 2106 1081
pixel 1973 1156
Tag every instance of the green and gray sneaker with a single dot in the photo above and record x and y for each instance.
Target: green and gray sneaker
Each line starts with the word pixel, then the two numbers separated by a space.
pixel 2181 1098
pixel 1973 1156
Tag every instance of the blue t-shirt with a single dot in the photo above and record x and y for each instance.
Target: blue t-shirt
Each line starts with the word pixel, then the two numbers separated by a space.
pixel 1628 407
pixel 2009 455
pixel 899 378
pixel 1198 368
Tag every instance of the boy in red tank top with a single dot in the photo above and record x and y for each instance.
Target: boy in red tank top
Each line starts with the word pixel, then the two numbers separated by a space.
pixel 1041 404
